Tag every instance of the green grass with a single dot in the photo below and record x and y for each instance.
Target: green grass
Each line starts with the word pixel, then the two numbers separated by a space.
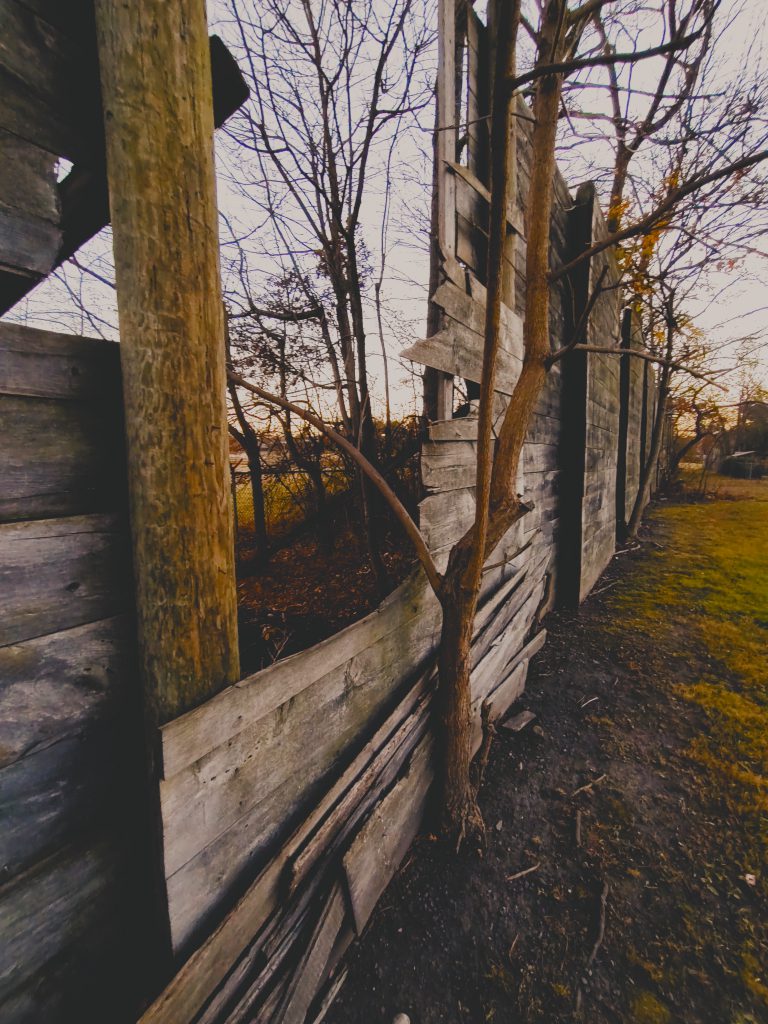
pixel 709 583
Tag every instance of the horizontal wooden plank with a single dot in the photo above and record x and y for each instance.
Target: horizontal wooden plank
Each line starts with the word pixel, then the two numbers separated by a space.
pixel 58 458
pixel 59 573
pixel 59 790
pixel 28 244
pixel 190 737
pixel 449 352
pixel 231 807
pixel 66 727
pixel 200 802
pixel 48 80
pixel 444 517
pixel 56 686
pixel 470 310
pixel 379 847
pixel 46 364
pixel 46 913
pixel 463 428
pixel 28 179
pixel 448 466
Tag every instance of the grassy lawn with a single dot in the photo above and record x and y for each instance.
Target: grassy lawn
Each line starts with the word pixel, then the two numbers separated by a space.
pixel 706 590
pixel 646 786
pixel 711 581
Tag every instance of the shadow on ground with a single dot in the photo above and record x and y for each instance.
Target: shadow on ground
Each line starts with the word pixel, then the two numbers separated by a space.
pixel 640 796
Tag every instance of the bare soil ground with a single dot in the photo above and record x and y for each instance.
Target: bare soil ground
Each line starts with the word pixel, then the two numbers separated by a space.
pixel 639 798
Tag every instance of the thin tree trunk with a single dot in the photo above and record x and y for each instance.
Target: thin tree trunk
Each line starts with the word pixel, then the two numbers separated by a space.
pixel 373 506
pixel 259 510
pixel 461 587
pixel 249 442
pixel 385 358
pixel 458 800
pixel 657 434
pixel 337 381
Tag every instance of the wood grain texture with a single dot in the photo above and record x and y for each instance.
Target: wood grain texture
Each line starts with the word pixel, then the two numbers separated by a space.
pixel 227 809
pixel 379 847
pixel 59 573
pixel 58 458
pixel 49 78
pixel 28 179
pixel 65 928
pixel 311 968
pixel 191 736
pixel 28 244
pixel 155 68
pixel 454 351
pixel 44 364
pixel 55 686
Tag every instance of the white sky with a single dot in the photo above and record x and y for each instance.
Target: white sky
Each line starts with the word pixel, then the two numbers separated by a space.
pixel 739 307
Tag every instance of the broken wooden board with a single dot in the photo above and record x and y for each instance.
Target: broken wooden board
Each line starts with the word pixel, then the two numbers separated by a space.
pixel 378 849
pixel 519 721
pixel 450 352
pixel 308 975
pixel 514 217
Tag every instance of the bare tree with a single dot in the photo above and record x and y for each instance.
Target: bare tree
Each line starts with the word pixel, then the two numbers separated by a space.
pixel 558 36
pixel 332 87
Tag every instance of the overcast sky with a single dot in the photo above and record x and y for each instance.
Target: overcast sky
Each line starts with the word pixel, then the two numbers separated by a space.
pixel 735 304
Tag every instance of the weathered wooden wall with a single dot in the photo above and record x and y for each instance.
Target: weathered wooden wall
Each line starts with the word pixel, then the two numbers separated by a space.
pixel 311 777
pixel 289 799
pixel 73 902
pixel 50 108
pixel 633 381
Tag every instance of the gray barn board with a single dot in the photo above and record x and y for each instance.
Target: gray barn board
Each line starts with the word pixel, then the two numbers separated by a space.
pixel 288 800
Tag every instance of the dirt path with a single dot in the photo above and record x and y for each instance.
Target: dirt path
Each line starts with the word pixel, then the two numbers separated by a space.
pixel 649 903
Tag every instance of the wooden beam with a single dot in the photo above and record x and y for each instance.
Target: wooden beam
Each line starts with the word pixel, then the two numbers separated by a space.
pixel 158 121
pixel 83 196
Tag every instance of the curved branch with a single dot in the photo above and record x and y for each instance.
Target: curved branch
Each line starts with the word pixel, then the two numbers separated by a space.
pixel 400 511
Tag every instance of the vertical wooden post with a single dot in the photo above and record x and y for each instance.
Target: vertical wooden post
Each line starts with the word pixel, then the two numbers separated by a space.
pixel 438 385
pixel 158 120
pixel 575 387
pixel 625 397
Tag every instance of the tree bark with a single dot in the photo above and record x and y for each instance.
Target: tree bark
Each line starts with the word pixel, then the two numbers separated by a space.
pixel 461 587
pixel 253 454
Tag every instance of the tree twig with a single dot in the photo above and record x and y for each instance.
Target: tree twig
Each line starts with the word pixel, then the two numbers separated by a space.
pixel 600 926
pixel 489 731
pixel 526 871
pixel 618 350
pixel 400 511
pixel 587 786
